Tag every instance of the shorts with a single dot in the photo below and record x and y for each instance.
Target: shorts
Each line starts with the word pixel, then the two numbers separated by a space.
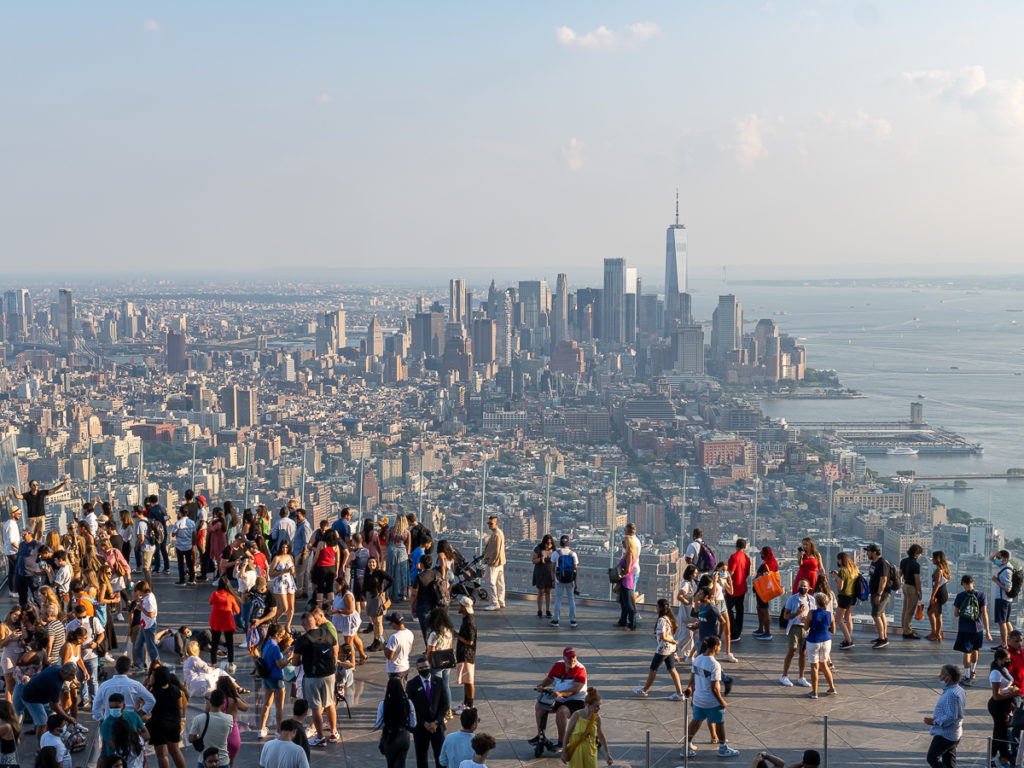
pixel 573 705
pixel 722 608
pixel 819 652
pixel 761 604
pixel 357 590
pixel 147 559
pixel 969 642
pixel 163 732
pixel 878 609
pixel 319 691
pixel 846 601
pixel 273 683
pixel 1002 611
pixel 797 638
pixel 37 712
pixel 465 673
pixel 711 714
pixel 663 658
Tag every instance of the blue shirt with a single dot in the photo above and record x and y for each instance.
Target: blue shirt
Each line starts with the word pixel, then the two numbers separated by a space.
pixel 343 528
pixel 970 627
pixel 949 713
pixel 271 653
pixel 708 616
pixel 45 687
pixel 821 620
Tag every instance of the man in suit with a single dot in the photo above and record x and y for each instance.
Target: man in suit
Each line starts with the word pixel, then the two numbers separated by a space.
pixel 429 696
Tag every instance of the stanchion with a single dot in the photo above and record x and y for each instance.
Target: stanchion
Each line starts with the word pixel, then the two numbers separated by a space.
pixel 825 744
pixel 647 750
pixel 988 752
pixel 686 733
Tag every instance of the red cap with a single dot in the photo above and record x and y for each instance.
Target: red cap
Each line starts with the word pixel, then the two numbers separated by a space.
pixel 569 652
pixel 201 500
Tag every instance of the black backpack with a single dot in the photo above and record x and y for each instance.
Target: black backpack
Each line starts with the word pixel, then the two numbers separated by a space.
pixel 441 590
pixel 322 662
pixel 892 577
pixel 1016 580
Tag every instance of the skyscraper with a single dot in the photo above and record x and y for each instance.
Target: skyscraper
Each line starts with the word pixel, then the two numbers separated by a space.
pixel 613 309
pixel 533 294
pixel 177 362
pixel 503 331
pixel 675 251
pixel 688 350
pixel 560 311
pixel 457 301
pixel 239 406
pixel 726 328
pixel 65 320
pixel 374 339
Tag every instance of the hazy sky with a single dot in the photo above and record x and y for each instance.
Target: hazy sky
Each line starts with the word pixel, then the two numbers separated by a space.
pixel 832 138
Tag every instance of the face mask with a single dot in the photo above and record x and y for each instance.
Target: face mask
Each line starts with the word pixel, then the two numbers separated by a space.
pixel 803 590
pixel 425 674
pixel 944 683
pixel 115 711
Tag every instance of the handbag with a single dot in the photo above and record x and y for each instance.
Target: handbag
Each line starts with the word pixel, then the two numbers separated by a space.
pixel 198 743
pixel 768 586
pixel 442 659
pixel 919 613
pixel 615 574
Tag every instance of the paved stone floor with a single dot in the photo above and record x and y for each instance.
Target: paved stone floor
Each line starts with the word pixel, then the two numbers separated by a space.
pixel 876 719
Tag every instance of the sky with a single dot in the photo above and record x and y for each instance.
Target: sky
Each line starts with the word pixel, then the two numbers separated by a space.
pixel 816 138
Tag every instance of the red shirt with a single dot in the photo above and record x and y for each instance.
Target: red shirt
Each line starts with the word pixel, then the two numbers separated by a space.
pixel 222 614
pixel 1017 667
pixel 739 567
pixel 260 561
pixel 808 572
pixel 577 674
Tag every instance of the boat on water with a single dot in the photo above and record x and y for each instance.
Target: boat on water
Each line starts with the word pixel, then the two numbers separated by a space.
pixel 901 451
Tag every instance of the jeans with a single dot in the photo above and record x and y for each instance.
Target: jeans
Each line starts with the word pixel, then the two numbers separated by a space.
pixel 423 612
pixel 243 621
pixel 942 753
pixel 734 603
pixel 161 552
pixel 186 562
pixel 138 556
pixel 93 665
pixel 396 749
pixel 444 674
pixel 565 589
pixel 146 643
pixel 627 612
pixel 229 642
pixel 12 561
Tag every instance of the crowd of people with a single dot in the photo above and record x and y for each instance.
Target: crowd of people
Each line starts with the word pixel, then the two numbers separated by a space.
pixel 291 600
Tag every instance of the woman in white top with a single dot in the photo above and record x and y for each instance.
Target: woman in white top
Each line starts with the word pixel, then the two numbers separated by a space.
pixel 664 652
pixel 345 617
pixel 440 638
pixel 396 717
pixel 145 643
pixel 684 637
pixel 282 571
pixel 1000 706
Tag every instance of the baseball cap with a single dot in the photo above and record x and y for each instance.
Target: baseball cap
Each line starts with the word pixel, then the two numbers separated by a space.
pixel 466 602
pixel 201 500
pixel 569 652
pixel 868 548
pixel 811 757
pixel 564 540
pixel 395 618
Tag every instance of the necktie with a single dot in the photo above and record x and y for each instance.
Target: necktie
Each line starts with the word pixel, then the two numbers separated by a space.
pixel 426 686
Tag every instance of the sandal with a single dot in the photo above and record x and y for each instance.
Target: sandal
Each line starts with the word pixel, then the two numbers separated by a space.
pixel 362 661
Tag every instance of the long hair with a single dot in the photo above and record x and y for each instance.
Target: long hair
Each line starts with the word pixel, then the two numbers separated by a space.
pixel 396 707
pixel 125 738
pixel 847 564
pixel 769 559
pixel 812 550
pixel 440 622
pixel 546 539
pixel 939 558
pixel 665 611
pixel 229 512
pixel 9 716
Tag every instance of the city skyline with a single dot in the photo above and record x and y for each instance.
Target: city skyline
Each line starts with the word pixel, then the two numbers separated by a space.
pixel 167 136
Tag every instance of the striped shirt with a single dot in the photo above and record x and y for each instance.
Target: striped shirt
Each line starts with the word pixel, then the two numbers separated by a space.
pixel 949 713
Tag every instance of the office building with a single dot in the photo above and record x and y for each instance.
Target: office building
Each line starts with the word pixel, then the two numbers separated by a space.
pixel 177 361
pixel 239 406
pixel 65 320
pixel 428 334
pixel 533 294
pixel 457 311
pixel 688 350
pixel 675 253
pixel 726 328
pixel 374 338
pixel 613 302
pixel 560 311
pixel 485 339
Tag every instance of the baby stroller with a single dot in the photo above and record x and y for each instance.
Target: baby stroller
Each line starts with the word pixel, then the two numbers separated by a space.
pixel 468 579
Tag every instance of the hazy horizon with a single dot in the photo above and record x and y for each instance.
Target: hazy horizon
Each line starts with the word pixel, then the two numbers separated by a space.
pixel 815 139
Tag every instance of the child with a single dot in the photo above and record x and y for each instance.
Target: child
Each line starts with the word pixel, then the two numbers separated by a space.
pixel 54 726
pixel 482 744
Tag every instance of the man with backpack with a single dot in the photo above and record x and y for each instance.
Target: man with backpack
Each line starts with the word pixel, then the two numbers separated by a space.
pixel 970 608
pixel 566 567
pixel 155 511
pixel 427 591
pixel 882 582
pixel 699 554
pixel 1007 581
pixel 317 650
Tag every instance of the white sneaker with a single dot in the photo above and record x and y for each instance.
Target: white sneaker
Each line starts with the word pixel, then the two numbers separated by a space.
pixel 243 646
pixel 728 657
pixel 676 697
pixel 724 750
pixel 683 753
pixel 491 607
pixel 640 692
pixel 785 681
pixel 120 617
pixel 803 683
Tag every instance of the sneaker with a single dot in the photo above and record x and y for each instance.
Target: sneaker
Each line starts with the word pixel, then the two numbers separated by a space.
pixel 757 634
pixel 812 695
pixel 845 646
pixel 264 733
pixel 554 622
pixel 676 697
pixel 458 709
pixel 728 657
pixel 368 629
pixel 572 624
pixel 640 692
pixel 535 740
pixel 737 639
pixel 724 750
pixel 831 692
pixel 318 741
pixel 179 583
pixel 684 752
pixel 334 738
pixel 785 681
pixel 913 636
pixel 491 607
pixel 881 644
pixel 802 682
pixel 998 648
pixel 766 637
pixel 310 732
pixel 120 617
pixel 243 646
pixel 965 681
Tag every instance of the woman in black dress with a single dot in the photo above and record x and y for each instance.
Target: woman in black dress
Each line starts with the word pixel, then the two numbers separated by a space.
pixel 165 724
pixel 544 573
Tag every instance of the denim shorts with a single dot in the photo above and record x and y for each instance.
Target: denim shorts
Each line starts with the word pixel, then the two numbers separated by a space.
pixel 273 683
pixel 37 712
pixel 711 714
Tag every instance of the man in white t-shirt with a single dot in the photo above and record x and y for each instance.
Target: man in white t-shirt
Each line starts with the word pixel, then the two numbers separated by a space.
pixel 54 727
pixel 398 648
pixel 566 564
pixel 283 752
pixel 12 540
pixel 693 549
pixel 799 604
pixel 482 745
pixel 183 534
pixel 708 699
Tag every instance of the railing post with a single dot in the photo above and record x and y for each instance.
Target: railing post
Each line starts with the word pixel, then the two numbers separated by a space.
pixel 647 750
pixel 825 749
pixel 686 733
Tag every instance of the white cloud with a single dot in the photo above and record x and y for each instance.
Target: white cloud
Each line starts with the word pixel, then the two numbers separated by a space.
pixel 573 154
pixel 151 25
pixel 602 37
pixel 749 144
pixel 325 97
pixel 877 128
pixel 998 104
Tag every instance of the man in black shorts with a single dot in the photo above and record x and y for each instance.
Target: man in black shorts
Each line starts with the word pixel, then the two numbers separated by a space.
pixel 35 505
pixel 568 677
